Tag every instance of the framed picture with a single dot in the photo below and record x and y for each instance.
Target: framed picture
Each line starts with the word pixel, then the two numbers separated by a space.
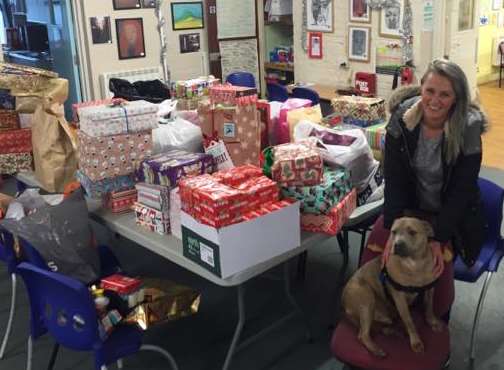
pixel 319 15
pixel 187 16
pixel 315 45
pixel 360 11
pixel 358 43
pixel 100 30
pixel 466 15
pixel 189 43
pixel 391 18
pixel 130 38
pixel 496 4
pixel 148 3
pixel 126 4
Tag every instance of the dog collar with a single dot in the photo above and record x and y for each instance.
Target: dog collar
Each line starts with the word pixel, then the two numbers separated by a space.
pixel 385 277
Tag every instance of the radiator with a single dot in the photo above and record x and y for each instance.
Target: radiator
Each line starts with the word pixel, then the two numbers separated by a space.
pixel 142 74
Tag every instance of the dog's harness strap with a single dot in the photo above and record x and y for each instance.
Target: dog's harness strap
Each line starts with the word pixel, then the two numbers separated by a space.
pixel 385 277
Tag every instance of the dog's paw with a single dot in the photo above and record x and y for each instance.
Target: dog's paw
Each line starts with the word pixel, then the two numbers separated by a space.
pixel 417 345
pixel 436 324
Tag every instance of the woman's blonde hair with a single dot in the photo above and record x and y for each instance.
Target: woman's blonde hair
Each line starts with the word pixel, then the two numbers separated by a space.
pixel 459 112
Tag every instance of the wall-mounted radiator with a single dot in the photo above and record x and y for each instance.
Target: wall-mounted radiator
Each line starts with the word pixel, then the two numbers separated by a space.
pixel 141 74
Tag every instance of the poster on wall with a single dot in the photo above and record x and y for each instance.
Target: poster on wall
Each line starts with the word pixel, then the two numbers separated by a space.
pixel 126 4
pixel 496 4
pixel 315 45
pixel 189 43
pixel 428 15
pixel 236 19
pixel 130 38
pixel 388 56
pixel 360 11
pixel 391 19
pixel 187 16
pixel 466 15
pixel 358 43
pixel 100 30
pixel 239 55
pixel 319 15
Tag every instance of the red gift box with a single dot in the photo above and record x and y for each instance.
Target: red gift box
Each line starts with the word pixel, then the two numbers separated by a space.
pixel 238 175
pixel 120 284
pixel 9 120
pixel 121 201
pixel 15 141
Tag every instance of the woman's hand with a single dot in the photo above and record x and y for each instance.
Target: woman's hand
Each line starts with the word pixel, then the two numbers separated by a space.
pixel 437 253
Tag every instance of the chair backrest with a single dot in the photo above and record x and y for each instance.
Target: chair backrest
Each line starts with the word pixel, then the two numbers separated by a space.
pixel 501 47
pixel 64 305
pixel 245 79
pixel 306 93
pixel 492 197
pixel 277 92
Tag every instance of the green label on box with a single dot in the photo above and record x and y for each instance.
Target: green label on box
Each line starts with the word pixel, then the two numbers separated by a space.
pixel 202 251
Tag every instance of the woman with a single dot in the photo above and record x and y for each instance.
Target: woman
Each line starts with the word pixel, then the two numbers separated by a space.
pixel 432 162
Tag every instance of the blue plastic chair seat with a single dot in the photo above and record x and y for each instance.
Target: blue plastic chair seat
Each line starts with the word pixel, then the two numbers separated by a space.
pixel 124 340
pixel 488 260
pixel 244 79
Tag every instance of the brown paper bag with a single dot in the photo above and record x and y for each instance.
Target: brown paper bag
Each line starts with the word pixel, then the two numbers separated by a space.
pixel 22 79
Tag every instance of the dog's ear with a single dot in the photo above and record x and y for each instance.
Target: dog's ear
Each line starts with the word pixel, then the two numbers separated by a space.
pixel 428 229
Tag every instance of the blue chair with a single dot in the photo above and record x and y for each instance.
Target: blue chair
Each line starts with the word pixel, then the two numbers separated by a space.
pixel 66 308
pixel 488 261
pixel 244 79
pixel 306 93
pixel 7 256
pixel 277 92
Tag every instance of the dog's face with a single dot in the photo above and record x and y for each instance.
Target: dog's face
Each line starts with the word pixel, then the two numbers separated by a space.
pixel 409 237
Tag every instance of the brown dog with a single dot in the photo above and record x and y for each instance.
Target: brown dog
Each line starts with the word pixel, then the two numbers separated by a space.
pixel 372 296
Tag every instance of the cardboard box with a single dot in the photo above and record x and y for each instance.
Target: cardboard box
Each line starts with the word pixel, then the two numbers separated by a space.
pixel 237 247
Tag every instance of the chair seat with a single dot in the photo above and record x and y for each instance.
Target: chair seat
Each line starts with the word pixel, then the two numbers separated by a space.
pixel 346 347
pixel 488 260
pixel 122 342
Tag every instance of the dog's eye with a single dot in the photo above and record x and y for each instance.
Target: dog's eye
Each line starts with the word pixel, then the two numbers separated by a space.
pixel 412 232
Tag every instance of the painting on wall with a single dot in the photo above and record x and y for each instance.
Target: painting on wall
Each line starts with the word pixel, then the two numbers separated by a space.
pixel 360 11
pixel 315 45
pixel 388 56
pixel 358 43
pixel 130 38
pixel 496 4
pixel 187 16
pixel 100 30
pixel 148 3
pixel 391 18
pixel 319 15
pixel 189 43
pixel 466 15
pixel 126 4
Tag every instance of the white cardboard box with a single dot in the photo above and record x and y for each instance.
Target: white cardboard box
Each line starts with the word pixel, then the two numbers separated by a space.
pixel 234 248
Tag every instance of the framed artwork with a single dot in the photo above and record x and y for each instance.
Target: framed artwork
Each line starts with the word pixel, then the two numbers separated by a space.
pixel 496 4
pixel 189 43
pixel 360 11
pixel 100 30
pixel 130 38
pixel 319 15
pixel 126 4
pixel 187 16
pixel 391 18
pixel 148 3
pixel 466 15
pixel 358 43
pixel 315 45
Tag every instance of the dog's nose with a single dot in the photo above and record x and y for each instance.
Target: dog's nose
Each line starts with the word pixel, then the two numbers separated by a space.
pixel 400 248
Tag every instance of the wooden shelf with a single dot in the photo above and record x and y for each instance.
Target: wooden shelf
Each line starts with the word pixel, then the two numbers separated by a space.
pixel 279 66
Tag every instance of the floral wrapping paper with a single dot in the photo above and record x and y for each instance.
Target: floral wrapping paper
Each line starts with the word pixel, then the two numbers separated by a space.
pixel 152 219
pixel 120 201
pixel 332 222
pixel 296 164
pixel 130 117
pixel 9 120
pixel 111 156
pixel 154 196
pixel 15 162
pixel 320 199
pixel 360 111
pixel 91 103
pixel 169 167
pixel 98 189
pixel 16 141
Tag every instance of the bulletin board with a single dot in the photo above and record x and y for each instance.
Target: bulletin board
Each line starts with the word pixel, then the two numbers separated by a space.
pixel 236 19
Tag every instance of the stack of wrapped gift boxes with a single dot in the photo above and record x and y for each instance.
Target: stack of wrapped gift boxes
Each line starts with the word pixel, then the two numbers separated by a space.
pixel 112 138
pixel 15 142
pixel 159 176
pixel 360 111
pixel 325 194
pixel 189 92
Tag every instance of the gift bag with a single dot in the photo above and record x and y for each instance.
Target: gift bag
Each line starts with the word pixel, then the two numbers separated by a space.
pixel 312 114
pixel 282 132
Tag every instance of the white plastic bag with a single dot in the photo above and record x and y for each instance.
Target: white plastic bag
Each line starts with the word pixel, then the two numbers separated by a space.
pixel 177 134
pixel 347 148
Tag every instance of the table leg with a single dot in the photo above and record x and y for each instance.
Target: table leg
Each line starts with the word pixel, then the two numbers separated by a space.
pixel 239 326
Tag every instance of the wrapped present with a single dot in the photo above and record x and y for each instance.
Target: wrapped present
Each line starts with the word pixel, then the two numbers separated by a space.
pixel 152 219
pixel 232 95
pixel 332 222
pixel 154 196
pixel 264 110
pixel 360 111
pixel 205 115
pixel 24 79
pixel 169 167
pixel 110 156
pixel 164 301
pixel 120 284
pixel 16 141
pixel 7 101
pixel 98 189
pixel 238 175
pixel 334 119
pixel 193 88
pixel 130 117
pixel 281 130
pixel 15 162
pixel 320 199
pixel 120 201
pixel 9 120
pixel 175 208
pixel 375 136
pixel 296 164
pixel 91 103
pixel 259 191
